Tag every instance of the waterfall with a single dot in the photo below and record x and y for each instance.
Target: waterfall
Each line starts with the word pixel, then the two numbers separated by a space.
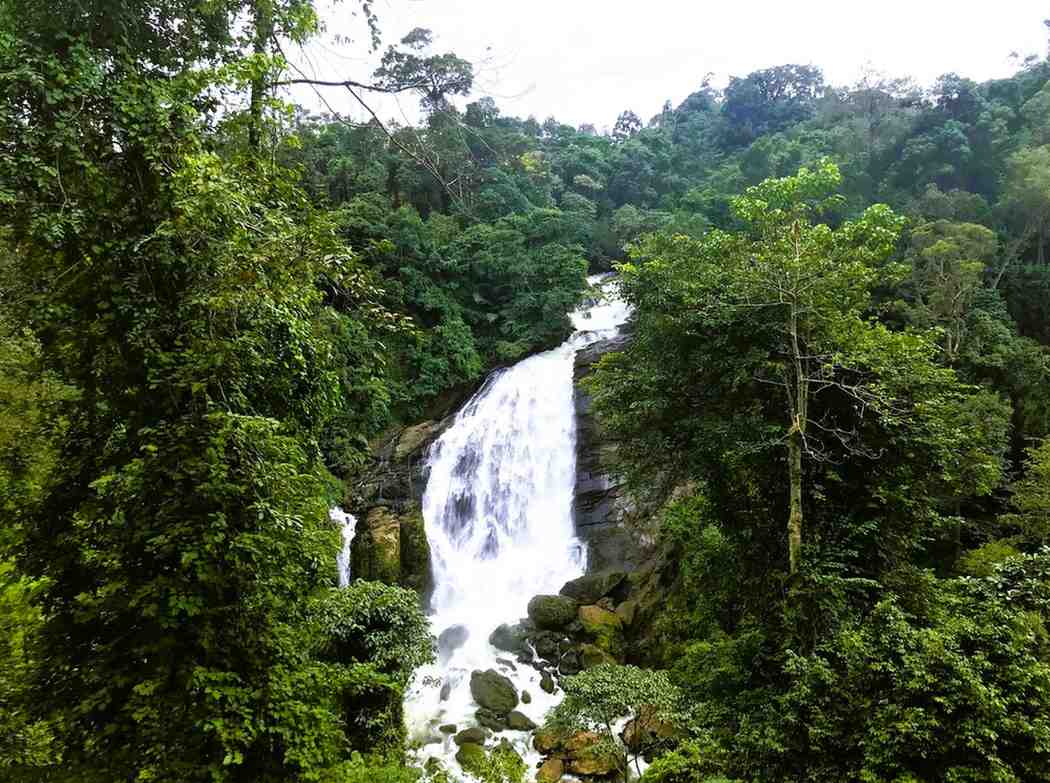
pixel 498 512
pixel 348 524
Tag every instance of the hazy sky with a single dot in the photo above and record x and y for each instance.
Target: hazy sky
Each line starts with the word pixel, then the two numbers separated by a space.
pixel 586 60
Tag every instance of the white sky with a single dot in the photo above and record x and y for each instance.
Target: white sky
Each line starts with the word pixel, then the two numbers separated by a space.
pixel 587 60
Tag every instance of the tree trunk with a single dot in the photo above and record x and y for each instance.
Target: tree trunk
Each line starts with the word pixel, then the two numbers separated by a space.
pixel 262 10
pixel 794 526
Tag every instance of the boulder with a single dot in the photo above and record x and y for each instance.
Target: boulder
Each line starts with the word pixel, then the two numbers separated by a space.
pixel 590 588
pixel 552 612
pixel 491 720
pixel 392 548
pixel 413 439
pixel 626 611
pixel 519 721
pixel 593 766
pixel 471 756
pixel 510 638
pixel 592 655
pixel 549 644
pixel 448 728
pixel 450 640
pixel 546 741
pixel 604 628
pixel 493 691
pixel 580 742
pixel 375 552
pixel 526 697
pixel 570 664
pixel 474 735
pixel 585 757
pixel 645 730
pixel 547 682
pixel 551 771
pixel 414 555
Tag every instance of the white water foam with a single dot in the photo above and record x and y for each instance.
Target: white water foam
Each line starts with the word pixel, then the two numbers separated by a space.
pixel 348 524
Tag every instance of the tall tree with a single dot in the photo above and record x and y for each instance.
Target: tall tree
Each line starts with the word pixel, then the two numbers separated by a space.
pixel 183 294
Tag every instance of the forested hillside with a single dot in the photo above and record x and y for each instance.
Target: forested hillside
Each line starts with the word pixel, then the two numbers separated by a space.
pixel 833 404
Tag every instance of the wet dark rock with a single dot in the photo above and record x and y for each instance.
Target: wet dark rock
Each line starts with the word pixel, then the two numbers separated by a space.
pixel 591 655
pixel 547 682
pixel 569 664
pixel 604 628
pixel 448 728
pixel 509 665
pixel 471 756
pixel 492 691
pixel 548 644
pixel 491 720
pixel 450 640
pixel 599 501
pixel 510 638
pixel 446 691
pixel 391 546
pixel 518 721
pixel 474 735
pixel 552 612
pixel 590 588
pixel 526 697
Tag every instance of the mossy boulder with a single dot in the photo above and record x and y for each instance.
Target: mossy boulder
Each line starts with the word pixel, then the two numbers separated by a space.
pixel 604 628
pixel 472 736
pixel 471 757
pixel 547 684
pixel 510 638
pixel 375 553
pixel 491 720
pixel 584 755
pixel 551 771
pixel 552 612
pixel 546 741
pixel 414 554
pixel 591 655
pixel 392 548
pixel 591 588
pixel 519 721
pixel 493 691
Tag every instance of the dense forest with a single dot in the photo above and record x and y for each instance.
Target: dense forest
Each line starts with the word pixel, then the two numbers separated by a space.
pixel 834 401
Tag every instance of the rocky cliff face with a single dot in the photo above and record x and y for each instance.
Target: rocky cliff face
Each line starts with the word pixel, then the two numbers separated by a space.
pixel 601 508
pixel 390 544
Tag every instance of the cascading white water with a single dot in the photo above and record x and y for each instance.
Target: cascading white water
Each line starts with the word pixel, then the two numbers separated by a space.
pixel 498 511
pixel 348 524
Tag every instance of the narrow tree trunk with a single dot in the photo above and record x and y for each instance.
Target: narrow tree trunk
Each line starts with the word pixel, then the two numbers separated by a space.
pixel 794 526
pixel 263 13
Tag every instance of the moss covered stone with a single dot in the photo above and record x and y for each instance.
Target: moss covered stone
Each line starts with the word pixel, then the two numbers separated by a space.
pixel 591 655
pixel 493 691
pixel 552 612
pixel 376 548
pixel 603 628
pixel 471 757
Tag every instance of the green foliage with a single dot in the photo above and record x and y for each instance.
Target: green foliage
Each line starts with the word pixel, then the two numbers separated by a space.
pixel 501 764
pixel 597 699
pixel 178 285
pixel 1031 499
